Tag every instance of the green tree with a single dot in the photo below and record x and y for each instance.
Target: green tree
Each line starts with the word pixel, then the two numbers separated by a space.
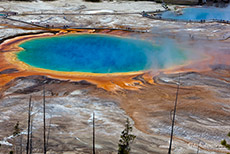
pixel 16 129
pixel 225 144
pixel 126 139
pixel 16 133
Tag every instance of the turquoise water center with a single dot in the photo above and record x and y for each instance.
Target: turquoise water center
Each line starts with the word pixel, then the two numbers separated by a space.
pixel 2 14
pixel 96 53
pixel 199 13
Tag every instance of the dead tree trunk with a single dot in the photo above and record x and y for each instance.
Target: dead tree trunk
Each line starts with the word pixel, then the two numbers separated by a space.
pixel 44 120
pixel 174 114
pixel 93 135
pixel 28 129
pixel 48 135
pixel 31 137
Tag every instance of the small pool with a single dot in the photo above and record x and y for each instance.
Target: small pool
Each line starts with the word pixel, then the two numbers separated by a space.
pixel 96 53
pixel 198 14
pixel 2 15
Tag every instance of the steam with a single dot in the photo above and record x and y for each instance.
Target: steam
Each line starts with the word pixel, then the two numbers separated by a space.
pixel 200 53
pixel 170 54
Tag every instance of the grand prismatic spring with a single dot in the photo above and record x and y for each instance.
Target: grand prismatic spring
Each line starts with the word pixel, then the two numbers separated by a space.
pixel 111 60
pixel 95 53
pixel 95 57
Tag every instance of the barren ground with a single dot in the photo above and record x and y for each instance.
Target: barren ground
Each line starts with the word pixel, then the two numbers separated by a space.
pixel 203 110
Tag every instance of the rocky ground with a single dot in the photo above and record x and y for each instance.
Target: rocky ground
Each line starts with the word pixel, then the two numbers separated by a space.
pixel 202 118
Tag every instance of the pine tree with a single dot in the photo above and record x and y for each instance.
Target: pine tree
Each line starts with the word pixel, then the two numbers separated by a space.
pixel 16 133
pixel 126 139
pixel 16 129
pixel 225 144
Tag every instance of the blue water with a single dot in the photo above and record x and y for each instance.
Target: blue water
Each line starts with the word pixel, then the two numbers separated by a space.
pixel 96 53
pixel 197 14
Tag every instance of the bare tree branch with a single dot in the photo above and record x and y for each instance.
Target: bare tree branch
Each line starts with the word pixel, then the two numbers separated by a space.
pixel 28 129
pixel 174 115
pixel 93 134
pixel 44 120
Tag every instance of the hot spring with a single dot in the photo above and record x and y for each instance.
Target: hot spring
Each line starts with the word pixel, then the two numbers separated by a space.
pixel 197 14
pixel 96 53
